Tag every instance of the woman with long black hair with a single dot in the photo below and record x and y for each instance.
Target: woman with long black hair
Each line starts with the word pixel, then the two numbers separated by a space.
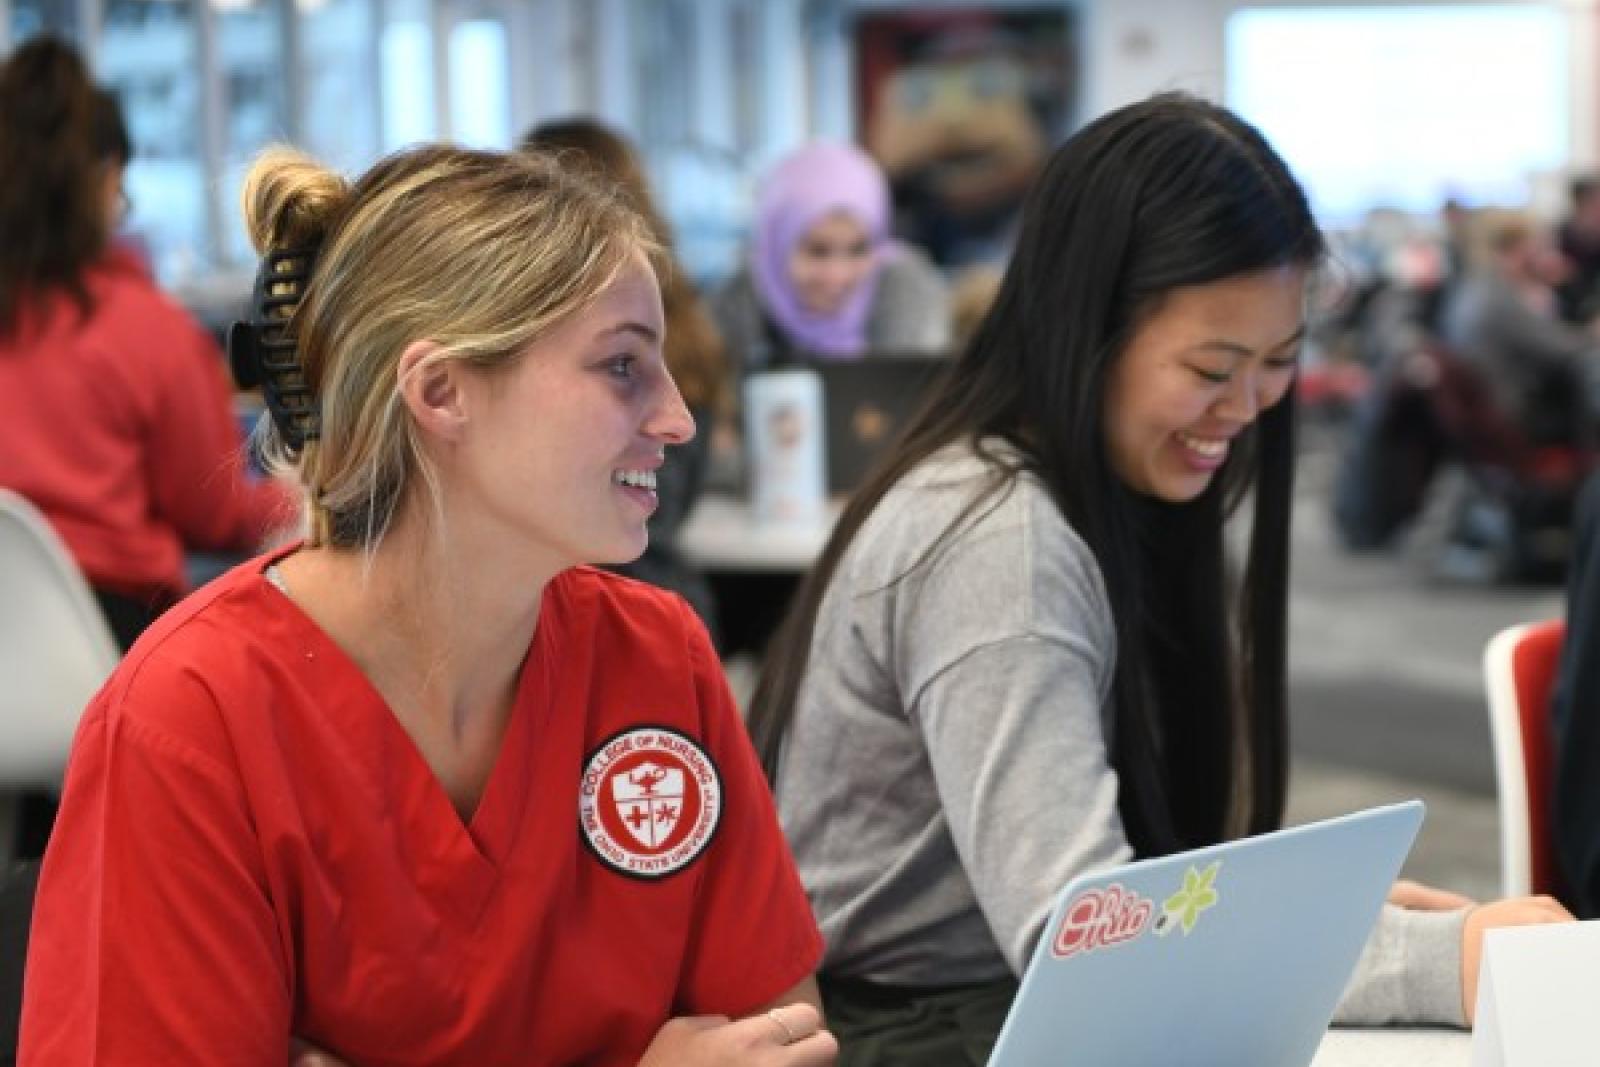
pixel 1023 654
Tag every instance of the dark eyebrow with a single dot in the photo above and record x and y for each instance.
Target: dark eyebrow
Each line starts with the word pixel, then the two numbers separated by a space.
pixel 1234 348
pixel 637 328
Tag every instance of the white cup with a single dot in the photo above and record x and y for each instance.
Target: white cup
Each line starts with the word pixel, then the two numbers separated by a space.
pixel 784 441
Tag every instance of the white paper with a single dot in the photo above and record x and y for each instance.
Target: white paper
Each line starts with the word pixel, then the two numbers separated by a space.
pixel 1537 997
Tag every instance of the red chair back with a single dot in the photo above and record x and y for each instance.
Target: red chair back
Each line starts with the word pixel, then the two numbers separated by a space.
pixel 1533 669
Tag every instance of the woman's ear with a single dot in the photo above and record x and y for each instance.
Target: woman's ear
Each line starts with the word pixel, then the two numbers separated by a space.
pixel 430 388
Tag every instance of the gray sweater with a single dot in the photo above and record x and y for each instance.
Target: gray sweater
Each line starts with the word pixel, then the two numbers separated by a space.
pixel 946 772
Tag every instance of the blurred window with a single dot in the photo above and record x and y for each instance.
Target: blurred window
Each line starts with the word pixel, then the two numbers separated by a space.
pixel 148 56
pixel 480 84
pixel 1401 107
pixel 253 74
pixel 663 44
pixel 745 70
pixel 205 84
pixel 339 61
pixel 407 62
pixel 31 17
pixel 701 165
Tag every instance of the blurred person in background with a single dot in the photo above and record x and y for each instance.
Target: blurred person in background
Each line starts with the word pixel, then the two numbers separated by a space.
pixel 1455 225
pixel 694 354
pixel 1501 319
pixel 972 294
pixel 1576 808
pixel 116 418
pixel 1579 240
pixel 961 125
pixel 824 280
pixel 115 409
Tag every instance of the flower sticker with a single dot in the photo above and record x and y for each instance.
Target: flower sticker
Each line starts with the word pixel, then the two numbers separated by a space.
pixel 1184 907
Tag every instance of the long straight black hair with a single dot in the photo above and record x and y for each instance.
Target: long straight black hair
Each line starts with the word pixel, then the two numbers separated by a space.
pixel 1159 195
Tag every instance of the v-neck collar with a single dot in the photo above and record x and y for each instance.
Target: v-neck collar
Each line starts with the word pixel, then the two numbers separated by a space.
pixel 452 860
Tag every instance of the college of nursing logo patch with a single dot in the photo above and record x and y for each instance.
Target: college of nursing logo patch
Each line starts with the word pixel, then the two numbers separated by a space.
pixel 649 801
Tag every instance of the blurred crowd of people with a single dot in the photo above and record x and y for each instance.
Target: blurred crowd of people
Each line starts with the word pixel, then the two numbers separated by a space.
pixel 1481 347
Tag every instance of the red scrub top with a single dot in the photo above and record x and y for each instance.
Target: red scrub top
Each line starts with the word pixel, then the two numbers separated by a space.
pixel 250 846
pixel 118 427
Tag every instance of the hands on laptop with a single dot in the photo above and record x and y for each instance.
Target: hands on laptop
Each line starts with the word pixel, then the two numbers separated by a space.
pixel 1513 911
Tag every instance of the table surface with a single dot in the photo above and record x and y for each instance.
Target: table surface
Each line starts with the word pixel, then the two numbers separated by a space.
pixel 721 534
pixel 1394 1048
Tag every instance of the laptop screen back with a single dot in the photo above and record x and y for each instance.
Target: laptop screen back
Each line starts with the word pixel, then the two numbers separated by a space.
pixel 1235 954
pixel 866 404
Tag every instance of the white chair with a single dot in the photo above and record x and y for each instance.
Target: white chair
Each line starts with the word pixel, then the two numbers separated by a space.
pixel 55 651
pixel 1519 673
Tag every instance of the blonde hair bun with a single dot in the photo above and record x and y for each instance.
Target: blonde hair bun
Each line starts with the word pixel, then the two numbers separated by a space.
pixel 291 200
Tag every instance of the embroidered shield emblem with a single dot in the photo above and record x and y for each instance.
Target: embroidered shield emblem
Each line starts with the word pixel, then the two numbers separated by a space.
pixel 649 801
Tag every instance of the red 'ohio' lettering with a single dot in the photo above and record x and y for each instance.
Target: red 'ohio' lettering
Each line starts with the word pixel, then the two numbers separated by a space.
pixel 1101 918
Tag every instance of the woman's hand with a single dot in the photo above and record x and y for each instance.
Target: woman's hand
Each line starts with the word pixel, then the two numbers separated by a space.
pixel 1419 897
pixel 304 1055
pixel 1515 911
pixel 787 1036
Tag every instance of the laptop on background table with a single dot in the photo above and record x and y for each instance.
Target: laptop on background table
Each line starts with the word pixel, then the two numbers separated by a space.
pixel 866 403
pixel 1229 956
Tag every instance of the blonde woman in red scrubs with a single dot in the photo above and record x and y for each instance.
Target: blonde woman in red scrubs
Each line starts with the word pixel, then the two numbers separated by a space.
pixel 425 789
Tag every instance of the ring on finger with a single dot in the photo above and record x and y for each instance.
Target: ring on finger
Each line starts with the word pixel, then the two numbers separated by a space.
pixel 789 1036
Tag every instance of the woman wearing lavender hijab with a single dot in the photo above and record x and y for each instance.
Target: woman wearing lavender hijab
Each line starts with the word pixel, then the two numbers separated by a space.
pixel 824 280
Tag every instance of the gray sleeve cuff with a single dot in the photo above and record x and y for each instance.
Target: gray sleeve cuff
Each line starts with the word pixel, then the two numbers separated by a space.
pixel 1409 973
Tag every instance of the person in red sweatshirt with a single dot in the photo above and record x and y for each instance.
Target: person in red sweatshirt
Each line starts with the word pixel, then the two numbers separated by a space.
pixel 115 413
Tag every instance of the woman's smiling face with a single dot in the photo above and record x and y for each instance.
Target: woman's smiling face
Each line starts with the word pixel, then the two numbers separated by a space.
pixel 1198 370
pixel 564 444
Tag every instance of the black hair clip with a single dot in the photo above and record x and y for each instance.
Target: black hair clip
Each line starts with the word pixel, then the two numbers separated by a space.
pixel 262 350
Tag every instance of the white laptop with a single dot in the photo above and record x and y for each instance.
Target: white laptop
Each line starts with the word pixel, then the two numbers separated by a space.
pixel 1232 956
